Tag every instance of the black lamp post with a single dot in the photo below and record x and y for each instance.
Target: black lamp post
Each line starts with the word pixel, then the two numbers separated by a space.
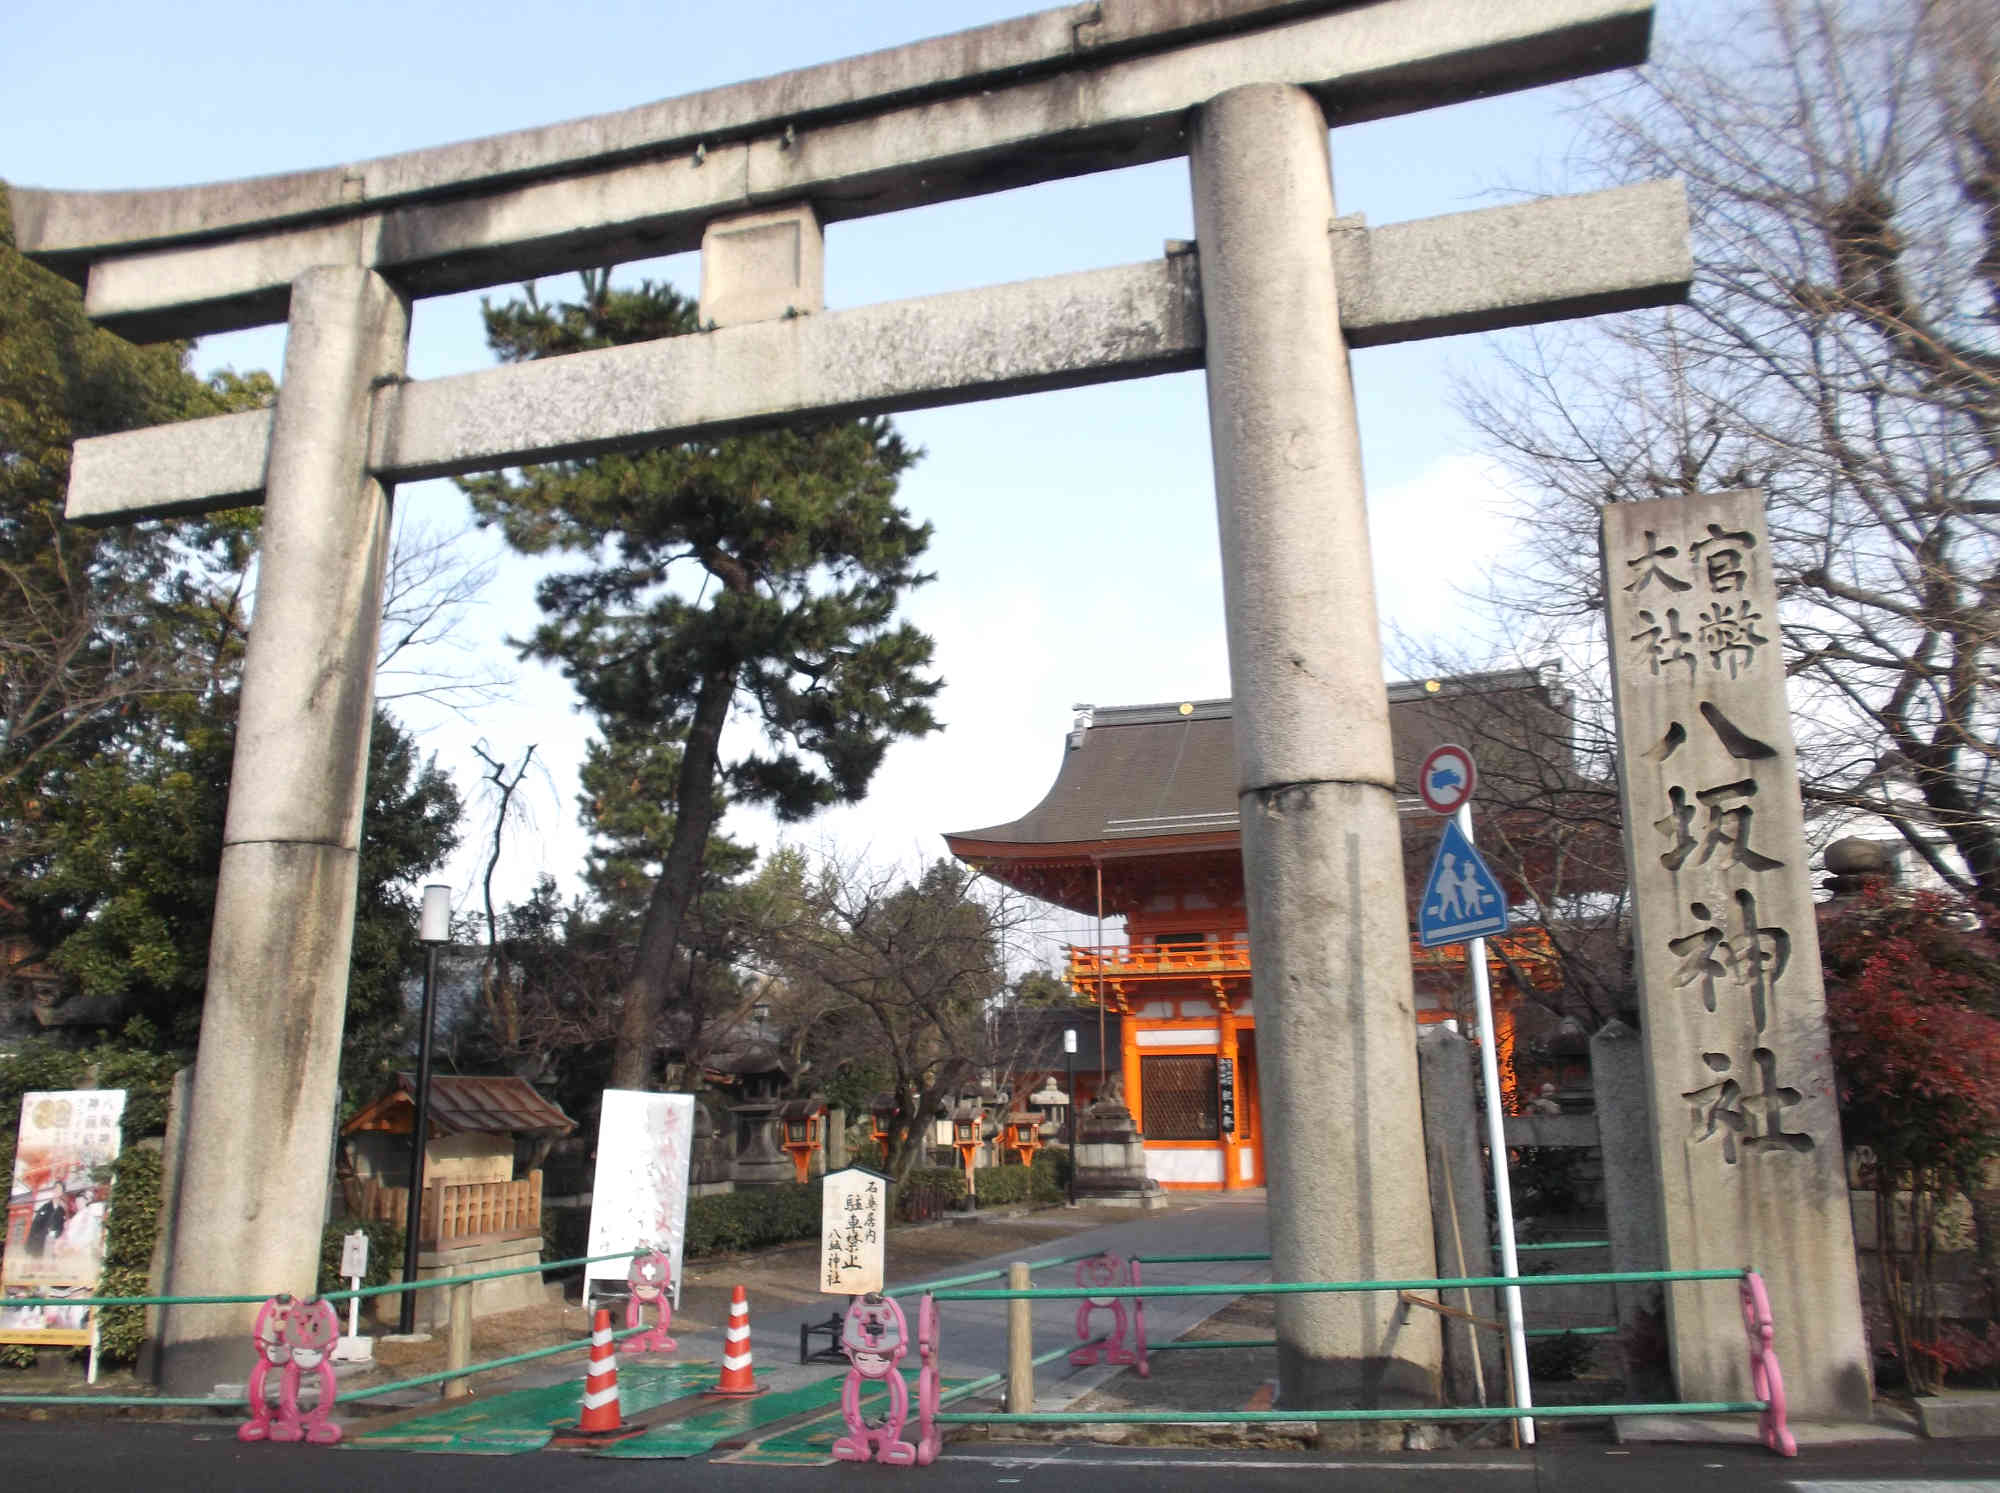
pixel 1069 1064
pixel 433 929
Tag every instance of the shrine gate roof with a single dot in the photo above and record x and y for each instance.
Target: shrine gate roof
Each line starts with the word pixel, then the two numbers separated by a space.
pixel 1164 775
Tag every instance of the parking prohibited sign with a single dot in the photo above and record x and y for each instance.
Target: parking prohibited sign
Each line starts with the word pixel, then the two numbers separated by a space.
pixel 1445 780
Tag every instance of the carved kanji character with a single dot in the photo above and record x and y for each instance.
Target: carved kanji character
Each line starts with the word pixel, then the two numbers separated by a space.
pixel 1721 557
pixel 1650 569
pixel 1729 815
pixel 1757 1116
pixel 1705 954
pixel 1666 643
pixel 1739 743
pixel 1729 635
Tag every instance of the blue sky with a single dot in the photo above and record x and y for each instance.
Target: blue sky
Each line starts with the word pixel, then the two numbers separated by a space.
pixel 1075 546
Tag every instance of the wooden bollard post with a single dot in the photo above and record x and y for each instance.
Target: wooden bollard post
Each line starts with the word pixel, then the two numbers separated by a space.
pixel 458 1345
pixel 1020 1342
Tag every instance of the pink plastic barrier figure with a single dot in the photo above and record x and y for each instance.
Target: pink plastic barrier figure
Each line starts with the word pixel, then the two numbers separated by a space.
pixel 1105 1271
pixel 314 1327
pixel 651 1280
pixel 876 1336
pixel 1767 1381
pixel 1143 1364
pixel 267 1336
pixel 929 1385
pixel 295 1338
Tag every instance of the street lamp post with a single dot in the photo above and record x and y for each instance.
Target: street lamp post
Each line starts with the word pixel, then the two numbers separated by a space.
pixel 433 929
pixel 1069 1082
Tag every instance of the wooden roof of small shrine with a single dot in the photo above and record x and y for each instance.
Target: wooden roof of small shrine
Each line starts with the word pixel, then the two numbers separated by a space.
pixel 462 1105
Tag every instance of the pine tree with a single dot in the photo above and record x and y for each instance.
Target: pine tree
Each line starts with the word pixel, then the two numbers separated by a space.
pixel 750 574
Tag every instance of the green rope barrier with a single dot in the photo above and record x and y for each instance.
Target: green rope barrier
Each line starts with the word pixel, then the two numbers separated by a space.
pixel 371 1392
pixel 1257 1417
pixel 1289 1288
pixel 470 1369
pixel 1197 1259
pixel 421 1285
pixel 966 1280
pixel 1213 1342
pixel 109 1402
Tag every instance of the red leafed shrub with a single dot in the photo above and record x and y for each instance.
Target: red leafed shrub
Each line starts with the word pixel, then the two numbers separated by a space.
pixel 1913 1006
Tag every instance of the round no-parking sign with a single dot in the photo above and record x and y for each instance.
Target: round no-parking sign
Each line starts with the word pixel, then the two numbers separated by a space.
pixel 1445 780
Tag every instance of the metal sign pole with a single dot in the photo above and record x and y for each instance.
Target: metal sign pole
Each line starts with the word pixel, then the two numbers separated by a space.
pixel 1496 1143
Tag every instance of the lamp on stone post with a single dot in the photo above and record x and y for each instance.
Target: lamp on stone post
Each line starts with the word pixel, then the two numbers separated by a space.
pixel 433 928
pixel 1069 1083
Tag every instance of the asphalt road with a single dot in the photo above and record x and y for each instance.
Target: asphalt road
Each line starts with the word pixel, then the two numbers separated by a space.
pixel 113 1455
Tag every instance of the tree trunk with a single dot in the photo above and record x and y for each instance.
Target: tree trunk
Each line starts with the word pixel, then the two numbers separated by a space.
pixel 680 875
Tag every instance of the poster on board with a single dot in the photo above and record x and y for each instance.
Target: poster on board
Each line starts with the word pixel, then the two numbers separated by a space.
pixel 638 1196
pixel 56 1211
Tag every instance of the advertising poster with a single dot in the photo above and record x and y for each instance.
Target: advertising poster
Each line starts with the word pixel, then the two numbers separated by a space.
pixel 56 1211
pixel 638 1198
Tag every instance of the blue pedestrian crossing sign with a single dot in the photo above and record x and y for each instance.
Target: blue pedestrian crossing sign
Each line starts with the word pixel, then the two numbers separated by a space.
pixel 1462 898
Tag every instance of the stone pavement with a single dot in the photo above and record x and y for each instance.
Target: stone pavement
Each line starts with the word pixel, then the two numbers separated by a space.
pixel 781 1286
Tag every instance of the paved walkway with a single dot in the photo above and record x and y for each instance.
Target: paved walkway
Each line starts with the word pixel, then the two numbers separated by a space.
pixel 974 1334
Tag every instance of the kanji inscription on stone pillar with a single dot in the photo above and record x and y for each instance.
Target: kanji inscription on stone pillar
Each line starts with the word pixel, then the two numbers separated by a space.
pixel 1726 952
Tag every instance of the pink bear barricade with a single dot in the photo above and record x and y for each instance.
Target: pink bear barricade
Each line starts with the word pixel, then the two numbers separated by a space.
pixel 294 1338
pixel 1767 1380
pixel 651 1280
pixel 876 1336
pixel 930 1386
pixel 1109 1273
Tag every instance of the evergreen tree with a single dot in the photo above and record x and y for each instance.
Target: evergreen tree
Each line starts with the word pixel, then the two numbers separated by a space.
pixel 751 573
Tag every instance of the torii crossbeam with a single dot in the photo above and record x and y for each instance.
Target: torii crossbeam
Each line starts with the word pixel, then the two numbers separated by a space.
pixel 1268 299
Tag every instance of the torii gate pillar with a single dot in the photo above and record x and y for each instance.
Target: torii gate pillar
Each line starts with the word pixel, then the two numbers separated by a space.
pixel 1322 853
pixel 267 1074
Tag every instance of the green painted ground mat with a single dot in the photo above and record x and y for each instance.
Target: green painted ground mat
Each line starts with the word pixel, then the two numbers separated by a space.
pixel 523 1420
pixel 727 1420
pixel 811 1444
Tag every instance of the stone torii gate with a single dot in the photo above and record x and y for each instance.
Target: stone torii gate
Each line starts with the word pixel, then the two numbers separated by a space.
pixel 1268 300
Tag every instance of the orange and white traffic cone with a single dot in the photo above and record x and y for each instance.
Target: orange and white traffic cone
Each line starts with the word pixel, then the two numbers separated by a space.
pixel 601 1420
pixel 737 1377
pixel 600 1381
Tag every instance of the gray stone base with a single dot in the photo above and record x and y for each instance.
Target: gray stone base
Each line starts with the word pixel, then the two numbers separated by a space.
pixel 1127 1198
pixel 1956 1413
pixel 1741 1430
pixel 197 1366
pixel 1311 1383
pixel 489 1297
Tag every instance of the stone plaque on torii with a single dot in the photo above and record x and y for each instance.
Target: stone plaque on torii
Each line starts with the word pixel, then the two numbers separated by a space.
pixel 1269 299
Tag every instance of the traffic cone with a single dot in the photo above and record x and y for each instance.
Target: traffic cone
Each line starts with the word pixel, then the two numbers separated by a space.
pixel 736 1370
pixel 601 1420
pixel 600 1381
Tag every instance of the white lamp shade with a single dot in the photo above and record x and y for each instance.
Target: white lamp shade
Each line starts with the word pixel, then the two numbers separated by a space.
pixel 1069 1039
pixel 435 927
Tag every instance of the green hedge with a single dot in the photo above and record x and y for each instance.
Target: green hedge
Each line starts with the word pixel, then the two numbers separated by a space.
pixel 1044 1182
pixel 731 1222
pixel 949 1178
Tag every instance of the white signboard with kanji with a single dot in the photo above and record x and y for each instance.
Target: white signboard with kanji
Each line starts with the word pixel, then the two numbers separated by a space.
pixel 638 1199
pixel 853 1230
